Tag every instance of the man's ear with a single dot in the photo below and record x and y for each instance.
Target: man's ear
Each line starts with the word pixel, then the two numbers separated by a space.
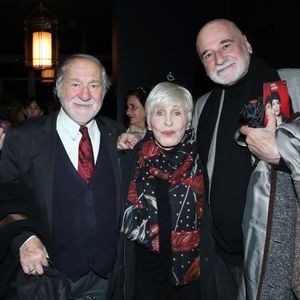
pixel 248 45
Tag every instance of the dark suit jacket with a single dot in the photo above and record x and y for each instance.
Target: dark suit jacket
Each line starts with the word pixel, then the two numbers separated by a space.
pixel 28 156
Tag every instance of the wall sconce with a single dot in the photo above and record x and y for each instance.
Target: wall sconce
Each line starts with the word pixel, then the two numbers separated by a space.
pixel 48 76
pixel 41 43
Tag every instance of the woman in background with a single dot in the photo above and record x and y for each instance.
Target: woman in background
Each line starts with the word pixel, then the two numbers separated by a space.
pixel 32 108
pixel 135 101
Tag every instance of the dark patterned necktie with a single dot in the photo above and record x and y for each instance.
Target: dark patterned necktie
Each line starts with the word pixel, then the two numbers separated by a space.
pixel 85 155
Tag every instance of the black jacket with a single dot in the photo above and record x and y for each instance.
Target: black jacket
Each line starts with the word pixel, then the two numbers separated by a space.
pixel 27 157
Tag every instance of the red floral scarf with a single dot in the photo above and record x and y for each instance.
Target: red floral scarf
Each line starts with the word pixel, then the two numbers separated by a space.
pixel 182 169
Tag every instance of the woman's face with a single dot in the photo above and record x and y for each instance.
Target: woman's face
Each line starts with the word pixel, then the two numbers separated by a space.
pixel 276 106
pixel 168 124
pixel 32 110
pixel 135 112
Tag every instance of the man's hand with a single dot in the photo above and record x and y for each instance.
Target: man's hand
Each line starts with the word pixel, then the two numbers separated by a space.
pixel 33 256
pixel 261 141
pixel 128 140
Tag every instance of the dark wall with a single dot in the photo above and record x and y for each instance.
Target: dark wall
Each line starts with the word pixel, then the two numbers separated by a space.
pixel 156 42
pixel 154 39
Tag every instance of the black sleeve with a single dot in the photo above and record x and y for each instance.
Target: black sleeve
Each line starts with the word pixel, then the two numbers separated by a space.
pixel 18 240
pixel 282 166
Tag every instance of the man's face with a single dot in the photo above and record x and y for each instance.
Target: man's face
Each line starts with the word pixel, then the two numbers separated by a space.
pixel 82 90
pixel 224 52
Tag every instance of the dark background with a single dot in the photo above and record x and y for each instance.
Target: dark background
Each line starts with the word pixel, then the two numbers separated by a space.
pixel 143 42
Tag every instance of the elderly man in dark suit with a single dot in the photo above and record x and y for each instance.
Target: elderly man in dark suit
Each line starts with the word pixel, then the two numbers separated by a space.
pixel 68 160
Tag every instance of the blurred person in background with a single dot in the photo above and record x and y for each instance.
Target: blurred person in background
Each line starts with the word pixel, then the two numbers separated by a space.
pixel 135 100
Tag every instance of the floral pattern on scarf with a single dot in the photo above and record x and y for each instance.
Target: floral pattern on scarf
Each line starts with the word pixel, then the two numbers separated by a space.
pixel 183 170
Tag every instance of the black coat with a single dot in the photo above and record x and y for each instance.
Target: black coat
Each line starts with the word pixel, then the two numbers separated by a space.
pixel 28 156
pixel 16 216
pixel 123 275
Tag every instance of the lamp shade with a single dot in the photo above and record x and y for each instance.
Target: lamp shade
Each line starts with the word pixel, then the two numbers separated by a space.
pixel 41 44
pixel 41 49
pixel 48 76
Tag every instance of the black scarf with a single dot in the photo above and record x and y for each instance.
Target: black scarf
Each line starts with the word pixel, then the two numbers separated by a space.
pixel 182 170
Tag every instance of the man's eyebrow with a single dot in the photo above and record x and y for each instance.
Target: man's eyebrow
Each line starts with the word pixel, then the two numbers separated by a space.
pixel 221 43
pixel 80 81
pixel 204 52
pixel 226 41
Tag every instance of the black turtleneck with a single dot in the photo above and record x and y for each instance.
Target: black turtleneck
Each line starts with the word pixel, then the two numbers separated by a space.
pixel 232 167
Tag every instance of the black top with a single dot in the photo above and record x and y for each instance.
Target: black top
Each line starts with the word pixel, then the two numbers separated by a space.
pixel 232 166
pixel 149 264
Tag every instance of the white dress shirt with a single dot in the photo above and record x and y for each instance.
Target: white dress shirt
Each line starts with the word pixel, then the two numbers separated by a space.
pixel 69 133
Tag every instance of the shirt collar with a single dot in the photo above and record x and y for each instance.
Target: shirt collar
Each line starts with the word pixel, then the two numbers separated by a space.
pixel 72 127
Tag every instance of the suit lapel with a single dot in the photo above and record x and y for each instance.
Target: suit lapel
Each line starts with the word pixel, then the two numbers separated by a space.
pixel 108 137
pixel 45 145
